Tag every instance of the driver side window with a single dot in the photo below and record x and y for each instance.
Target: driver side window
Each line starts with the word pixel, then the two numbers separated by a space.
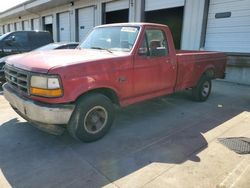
pixel 154 44
pixel 19 38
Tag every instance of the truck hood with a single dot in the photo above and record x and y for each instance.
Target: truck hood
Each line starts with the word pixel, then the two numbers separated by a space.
pixel 44 61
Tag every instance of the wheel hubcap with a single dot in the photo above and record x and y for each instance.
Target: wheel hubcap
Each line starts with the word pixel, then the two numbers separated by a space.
pixel 95 119
pixel 205 89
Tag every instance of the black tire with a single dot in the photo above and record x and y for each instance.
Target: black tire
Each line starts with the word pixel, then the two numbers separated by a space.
pixel 92 118
pixel 202 91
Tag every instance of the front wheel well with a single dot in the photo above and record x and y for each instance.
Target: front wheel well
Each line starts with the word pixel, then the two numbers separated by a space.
pixel 109 93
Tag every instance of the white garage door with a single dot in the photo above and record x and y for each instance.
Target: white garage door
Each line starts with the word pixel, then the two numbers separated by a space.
pixel 1 30
pixel 228 26
pixel 117 5
pixel 6 30
pixel 36 24
pixel 26 25
pixel 18 26
pixel 64 27
pixel 12 27
pixel 48 20
pixel 86 21
pixel 162 4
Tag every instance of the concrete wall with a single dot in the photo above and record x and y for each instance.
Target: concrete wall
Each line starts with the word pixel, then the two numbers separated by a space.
pixel 238 69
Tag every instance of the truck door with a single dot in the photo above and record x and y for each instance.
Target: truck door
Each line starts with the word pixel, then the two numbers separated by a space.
pixel 153 71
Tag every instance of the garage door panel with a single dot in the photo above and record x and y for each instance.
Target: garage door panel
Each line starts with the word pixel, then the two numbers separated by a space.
pixel 238 49
pixel 229 34
pixel 235 14
pixel 18 26
pixel 234 47
pixel 229 43
pixel 162 4
pixel 86 19
pixel 48 20
pixel 12 27
pixel 26 25
pixel 117 5
pixel 64 27
pixel 244 29
pixel 238 37
pixel 219 1
pixel 6 28
pixel 36 24
pixel 231 22
pixel 229 6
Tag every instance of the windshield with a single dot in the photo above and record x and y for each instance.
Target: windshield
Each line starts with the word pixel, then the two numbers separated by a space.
pixel 51 46
pixel 4 35
pixel 115 38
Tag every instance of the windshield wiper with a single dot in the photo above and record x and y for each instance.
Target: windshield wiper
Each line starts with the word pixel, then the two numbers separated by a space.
pixel 99 48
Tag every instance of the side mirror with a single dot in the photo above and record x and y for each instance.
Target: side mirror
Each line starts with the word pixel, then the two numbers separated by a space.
pixel 143 52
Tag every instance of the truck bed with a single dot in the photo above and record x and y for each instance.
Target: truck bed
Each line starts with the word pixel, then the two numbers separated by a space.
pixel 191 63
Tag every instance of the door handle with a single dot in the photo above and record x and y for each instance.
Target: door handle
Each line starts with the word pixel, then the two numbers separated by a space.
pixel 121 79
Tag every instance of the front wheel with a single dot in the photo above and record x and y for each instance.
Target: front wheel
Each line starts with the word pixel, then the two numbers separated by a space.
pixel 202 91
pixel 92 118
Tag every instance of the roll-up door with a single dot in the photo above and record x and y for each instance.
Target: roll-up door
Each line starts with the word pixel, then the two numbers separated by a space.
pixel 26 25
pixel 48 24
pixel 36 24
pixel 228 26
pixel 1 30
pixel 6 30
pixel 167 12
pixel 86 21
pixel 64 27
pixel 116 12
pixel 12 27
pixel 162 4
pixel 117 5
pixel 18 26
pixel 48 20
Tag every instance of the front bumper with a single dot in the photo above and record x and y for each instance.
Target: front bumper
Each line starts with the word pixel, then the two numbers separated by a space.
pixel 37 112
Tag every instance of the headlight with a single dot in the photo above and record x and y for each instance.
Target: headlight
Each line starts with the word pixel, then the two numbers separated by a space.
pixel 45 86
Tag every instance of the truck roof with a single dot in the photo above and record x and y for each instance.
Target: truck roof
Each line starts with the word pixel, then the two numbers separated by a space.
pixel 136 24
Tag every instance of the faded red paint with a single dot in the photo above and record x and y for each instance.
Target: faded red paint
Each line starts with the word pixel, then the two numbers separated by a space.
pixel 142 77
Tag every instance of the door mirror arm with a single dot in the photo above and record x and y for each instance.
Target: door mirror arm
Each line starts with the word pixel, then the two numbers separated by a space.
pixel 142 52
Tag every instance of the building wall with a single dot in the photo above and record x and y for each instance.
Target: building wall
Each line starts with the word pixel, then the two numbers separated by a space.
pixel 238 69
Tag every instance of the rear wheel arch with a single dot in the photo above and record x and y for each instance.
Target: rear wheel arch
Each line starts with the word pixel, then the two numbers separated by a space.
pixel 210 73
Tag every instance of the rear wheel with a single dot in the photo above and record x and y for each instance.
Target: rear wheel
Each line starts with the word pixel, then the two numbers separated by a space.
pixel 92 118
pixel 203 89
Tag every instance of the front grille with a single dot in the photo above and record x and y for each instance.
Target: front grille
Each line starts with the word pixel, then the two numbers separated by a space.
pixel 17 78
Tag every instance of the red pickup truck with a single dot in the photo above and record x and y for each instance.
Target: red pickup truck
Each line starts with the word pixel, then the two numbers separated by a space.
pixel 116 65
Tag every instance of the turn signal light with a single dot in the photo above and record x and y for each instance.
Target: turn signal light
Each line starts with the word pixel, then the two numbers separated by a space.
pixel 46 92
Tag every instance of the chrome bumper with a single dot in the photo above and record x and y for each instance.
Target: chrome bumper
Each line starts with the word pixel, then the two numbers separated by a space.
pixel 38 112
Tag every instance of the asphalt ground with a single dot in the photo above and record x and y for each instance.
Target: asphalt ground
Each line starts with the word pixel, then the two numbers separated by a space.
pixel 166 142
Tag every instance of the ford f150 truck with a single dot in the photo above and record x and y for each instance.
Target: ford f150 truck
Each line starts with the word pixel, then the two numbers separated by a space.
pixel 116 65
